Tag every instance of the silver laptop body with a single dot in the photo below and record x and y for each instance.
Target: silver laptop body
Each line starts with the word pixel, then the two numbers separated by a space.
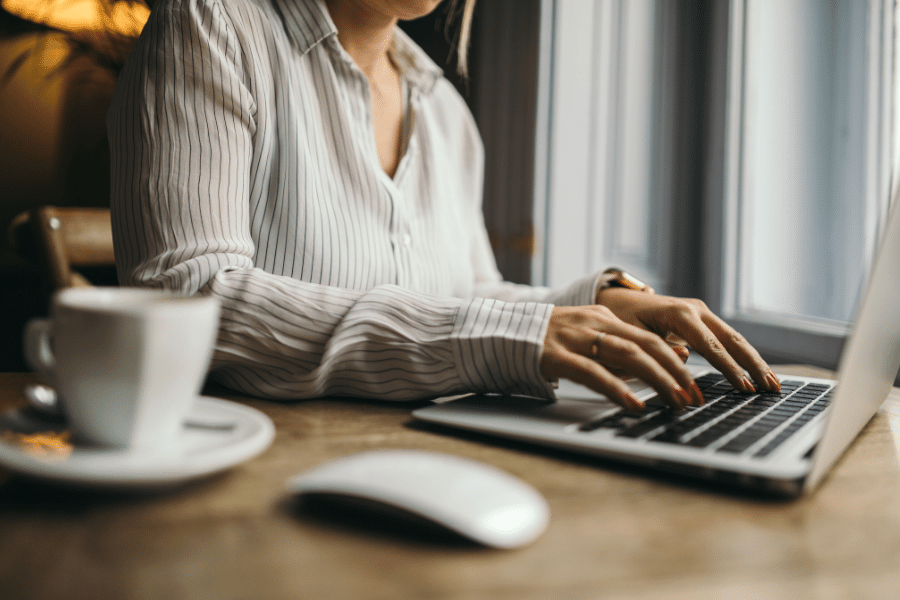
pixel 790 459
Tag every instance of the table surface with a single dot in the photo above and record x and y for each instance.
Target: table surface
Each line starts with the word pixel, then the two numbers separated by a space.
pixel 615 532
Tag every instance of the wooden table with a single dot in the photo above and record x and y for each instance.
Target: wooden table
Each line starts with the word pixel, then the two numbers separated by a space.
pixel 615 532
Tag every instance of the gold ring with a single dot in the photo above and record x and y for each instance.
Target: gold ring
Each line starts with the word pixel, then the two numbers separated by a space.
pixel 595 348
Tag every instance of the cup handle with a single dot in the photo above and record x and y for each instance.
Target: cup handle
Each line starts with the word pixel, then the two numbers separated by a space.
pixel 38 353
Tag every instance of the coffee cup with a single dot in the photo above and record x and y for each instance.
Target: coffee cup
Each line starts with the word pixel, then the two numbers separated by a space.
pixel 126 363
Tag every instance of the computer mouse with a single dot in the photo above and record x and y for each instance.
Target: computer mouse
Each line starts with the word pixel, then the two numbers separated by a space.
pixel 475 500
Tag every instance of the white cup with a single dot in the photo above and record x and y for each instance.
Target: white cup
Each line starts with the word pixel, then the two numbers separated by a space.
pixel 126 363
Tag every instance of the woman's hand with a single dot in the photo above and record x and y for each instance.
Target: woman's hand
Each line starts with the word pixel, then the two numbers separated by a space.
pixel 692 322
pixel 592 346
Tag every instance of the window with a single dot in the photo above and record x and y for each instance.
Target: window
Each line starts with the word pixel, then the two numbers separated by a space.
pixel 808 167
pixel 603 160
pixel 737 151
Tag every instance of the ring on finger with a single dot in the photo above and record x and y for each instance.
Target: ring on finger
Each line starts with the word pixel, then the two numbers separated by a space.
pixel 595 347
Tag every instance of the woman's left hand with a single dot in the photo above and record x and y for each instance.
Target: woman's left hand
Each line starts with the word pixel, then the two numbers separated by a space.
pixel 692 321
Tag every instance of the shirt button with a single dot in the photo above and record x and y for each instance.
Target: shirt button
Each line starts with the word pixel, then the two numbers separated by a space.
pixel 405 239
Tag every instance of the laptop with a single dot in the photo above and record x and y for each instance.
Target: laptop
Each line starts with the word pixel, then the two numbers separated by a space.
pixel 780 444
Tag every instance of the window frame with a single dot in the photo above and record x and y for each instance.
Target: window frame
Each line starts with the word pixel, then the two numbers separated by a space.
pixel 590 143
pixel 699 168
pixel 781 338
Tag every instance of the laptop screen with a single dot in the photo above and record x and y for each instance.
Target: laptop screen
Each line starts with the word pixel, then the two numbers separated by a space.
pixel 871 357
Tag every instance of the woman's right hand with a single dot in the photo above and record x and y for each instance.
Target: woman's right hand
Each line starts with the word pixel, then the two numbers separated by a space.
pixel 593 347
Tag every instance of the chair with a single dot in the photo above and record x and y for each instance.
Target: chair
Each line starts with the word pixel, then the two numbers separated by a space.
pixel 70 246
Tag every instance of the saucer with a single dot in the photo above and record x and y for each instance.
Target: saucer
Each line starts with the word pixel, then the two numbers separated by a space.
pixel 42 449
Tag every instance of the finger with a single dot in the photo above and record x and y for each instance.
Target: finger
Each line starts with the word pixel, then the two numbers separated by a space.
pixel 631 358
pixel 669 358
pixel 702 339
pixel 744 353
pixel 595 376
pixel 682 352
pixel 662 354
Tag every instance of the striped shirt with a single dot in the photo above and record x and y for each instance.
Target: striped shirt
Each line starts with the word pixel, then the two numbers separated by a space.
pixel 244 166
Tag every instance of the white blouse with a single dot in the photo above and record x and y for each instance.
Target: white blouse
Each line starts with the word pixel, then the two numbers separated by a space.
pixel 244 166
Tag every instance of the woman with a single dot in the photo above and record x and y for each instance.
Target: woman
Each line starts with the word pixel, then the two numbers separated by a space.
pixel 306 163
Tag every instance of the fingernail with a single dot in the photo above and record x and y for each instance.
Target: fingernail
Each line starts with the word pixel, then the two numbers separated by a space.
pixel 772 382
pixel 747 385
pixel 632 402
pixel 697 394
pixel 683 399
pixel 682 352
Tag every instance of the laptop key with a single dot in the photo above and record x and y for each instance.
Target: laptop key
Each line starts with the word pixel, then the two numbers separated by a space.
pixel 790 383
pixel 754 433
pixel 702 416
pixel 817 387
pixel 749 436
pixel 613 422
pixel 661 418
pixel 746 439
pixel 708 380
pixel 792 428
pixel 773 443
pixel 707 437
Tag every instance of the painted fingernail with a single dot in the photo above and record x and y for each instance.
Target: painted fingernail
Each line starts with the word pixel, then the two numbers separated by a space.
pixel 682 397
pixel 772 382
pixel 682 352
pixel 697 395
pixel 747 385
pixel 632 402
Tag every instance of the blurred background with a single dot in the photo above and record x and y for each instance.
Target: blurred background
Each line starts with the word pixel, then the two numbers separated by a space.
pixel 58 65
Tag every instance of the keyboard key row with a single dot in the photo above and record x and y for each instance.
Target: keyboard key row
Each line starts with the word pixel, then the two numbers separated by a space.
pixel 726 410
pixel 793 427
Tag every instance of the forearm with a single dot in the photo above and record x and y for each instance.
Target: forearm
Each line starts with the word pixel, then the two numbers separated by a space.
pixel 282 338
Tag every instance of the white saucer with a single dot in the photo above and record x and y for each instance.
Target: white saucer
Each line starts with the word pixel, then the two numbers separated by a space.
pixel 196 452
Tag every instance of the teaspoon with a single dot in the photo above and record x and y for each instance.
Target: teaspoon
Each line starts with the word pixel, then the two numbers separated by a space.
pixel 42 398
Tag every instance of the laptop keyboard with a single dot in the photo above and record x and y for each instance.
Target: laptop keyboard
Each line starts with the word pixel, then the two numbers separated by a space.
pixel 730 422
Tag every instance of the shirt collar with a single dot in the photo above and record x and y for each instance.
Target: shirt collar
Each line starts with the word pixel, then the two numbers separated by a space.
pixel 309 24
pixel 418 68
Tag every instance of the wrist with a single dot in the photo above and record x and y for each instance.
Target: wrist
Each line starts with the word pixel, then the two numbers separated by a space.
pixel 617 278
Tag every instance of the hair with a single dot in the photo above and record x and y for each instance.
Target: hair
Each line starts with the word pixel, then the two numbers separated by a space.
pixel 465 33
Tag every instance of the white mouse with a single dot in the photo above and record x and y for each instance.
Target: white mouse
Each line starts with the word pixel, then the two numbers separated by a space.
pixel 473 499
